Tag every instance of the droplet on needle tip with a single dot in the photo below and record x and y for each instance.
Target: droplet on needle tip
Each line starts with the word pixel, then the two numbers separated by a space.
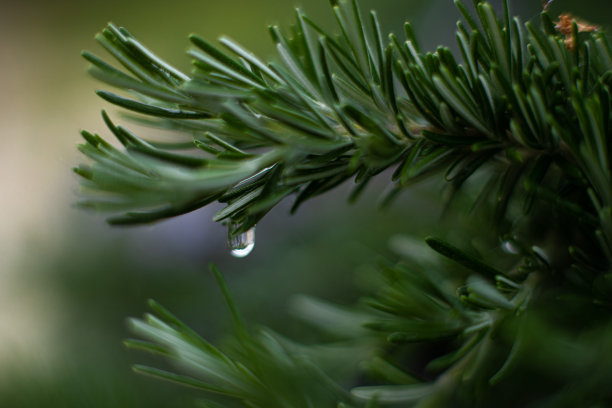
pixel 242 244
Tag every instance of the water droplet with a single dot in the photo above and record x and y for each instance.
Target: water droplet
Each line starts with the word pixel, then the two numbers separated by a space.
pixel 510 247
pixel 242 244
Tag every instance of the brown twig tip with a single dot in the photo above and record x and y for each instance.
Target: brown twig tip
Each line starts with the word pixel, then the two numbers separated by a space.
pixel 565 24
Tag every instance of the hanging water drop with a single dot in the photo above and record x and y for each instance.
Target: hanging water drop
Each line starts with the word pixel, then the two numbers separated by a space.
pixel 242 244
pixel 510 247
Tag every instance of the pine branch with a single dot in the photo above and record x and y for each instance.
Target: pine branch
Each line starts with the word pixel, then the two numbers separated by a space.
pixel 487 333
pixel 261 370
pixel 336 108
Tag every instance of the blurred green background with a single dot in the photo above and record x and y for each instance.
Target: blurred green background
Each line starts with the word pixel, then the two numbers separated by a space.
pixel 68 281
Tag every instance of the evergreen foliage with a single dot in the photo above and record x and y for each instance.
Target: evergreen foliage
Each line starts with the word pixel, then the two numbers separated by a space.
pixel 523 121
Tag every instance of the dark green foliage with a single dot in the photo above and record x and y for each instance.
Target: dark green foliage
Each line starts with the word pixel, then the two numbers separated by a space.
pixel 521 127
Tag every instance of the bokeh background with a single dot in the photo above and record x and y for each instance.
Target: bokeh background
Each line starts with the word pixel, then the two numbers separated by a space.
pixel 68 281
